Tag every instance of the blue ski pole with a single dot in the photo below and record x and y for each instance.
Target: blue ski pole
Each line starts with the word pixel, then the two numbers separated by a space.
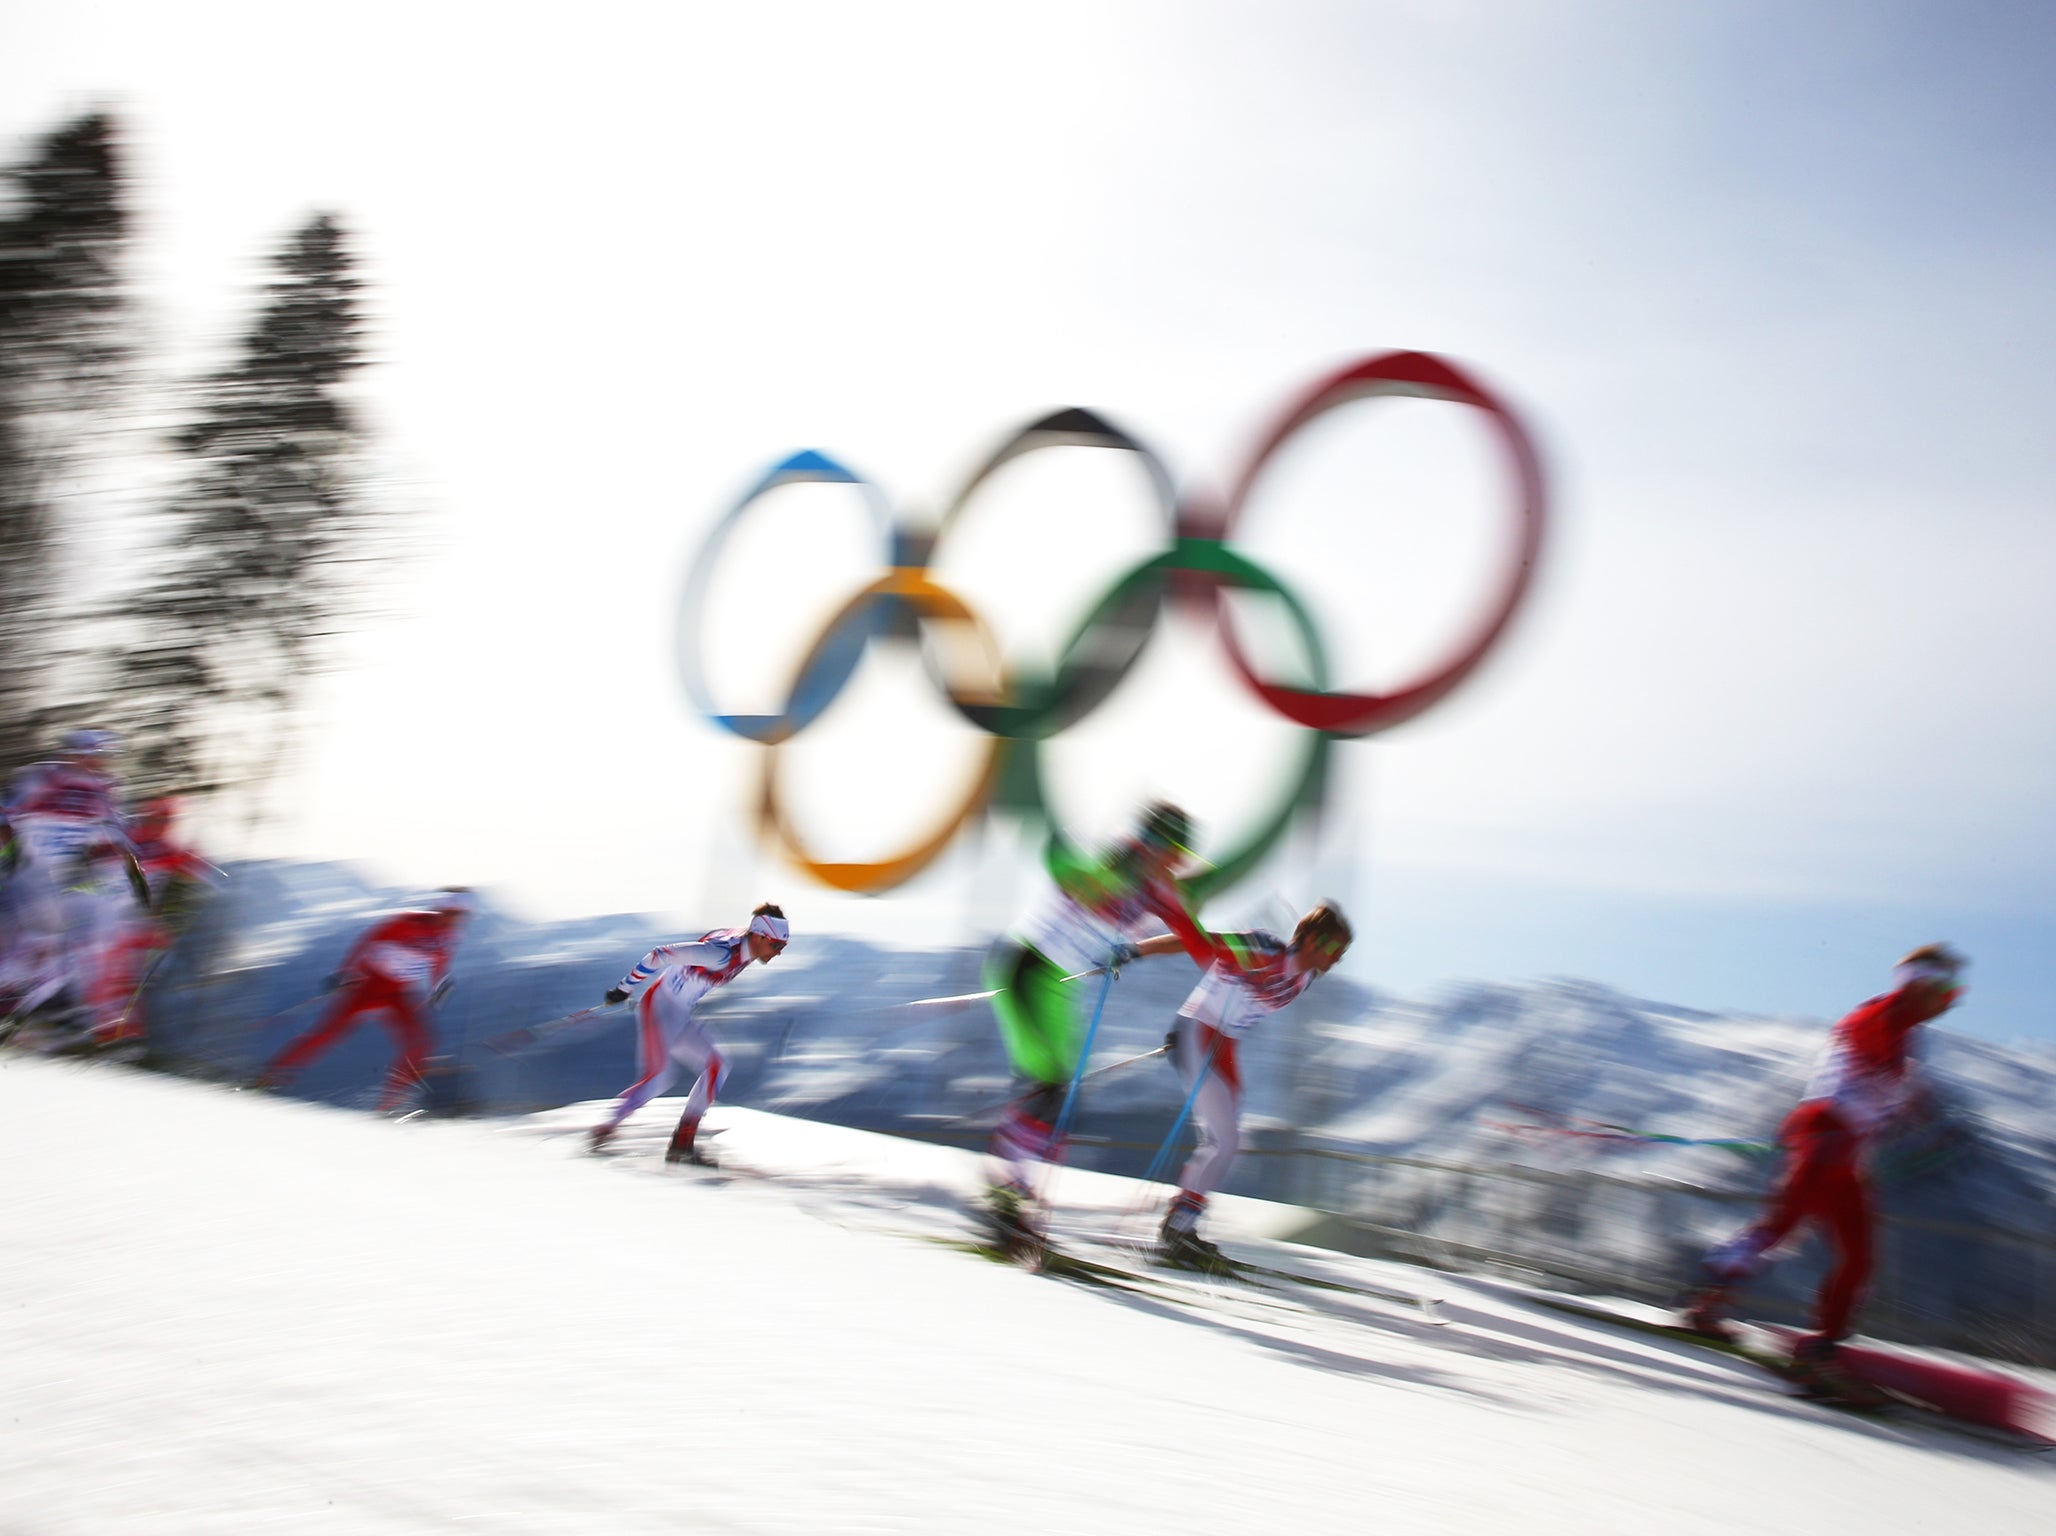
pixel 1084 1055
pixel 1158 1164
pixel 1063 1125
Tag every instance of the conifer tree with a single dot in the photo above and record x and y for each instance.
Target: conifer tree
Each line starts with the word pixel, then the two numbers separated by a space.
pixel 65 361
pixel 263 530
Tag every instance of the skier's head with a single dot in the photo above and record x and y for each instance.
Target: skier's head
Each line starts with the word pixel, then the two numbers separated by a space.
pixel 88 748
pixel 454 903
pixel 1931 978
pixel 767 933
pixel 153 818
pixel 1163 835
pixel 1321 938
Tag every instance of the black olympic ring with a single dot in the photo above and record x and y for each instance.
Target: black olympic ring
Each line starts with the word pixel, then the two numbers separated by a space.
pixel 1196 567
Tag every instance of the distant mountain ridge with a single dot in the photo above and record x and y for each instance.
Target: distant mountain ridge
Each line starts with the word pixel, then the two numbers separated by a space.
pixel 1358 1101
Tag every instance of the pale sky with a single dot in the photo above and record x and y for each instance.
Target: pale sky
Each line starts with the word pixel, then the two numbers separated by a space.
pixel 1767 282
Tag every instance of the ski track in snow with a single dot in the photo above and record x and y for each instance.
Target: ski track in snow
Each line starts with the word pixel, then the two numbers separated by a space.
pixel 227 1312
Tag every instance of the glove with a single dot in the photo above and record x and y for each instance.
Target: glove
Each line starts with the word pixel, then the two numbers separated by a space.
pixel 1124 954
pixel 333 981
pixel 614 995
pixel 1171 1040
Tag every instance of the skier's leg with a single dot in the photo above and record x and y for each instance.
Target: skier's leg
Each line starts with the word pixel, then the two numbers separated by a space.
pixel 1216 1113
pixel 38 950
pixel 1810 1136
pixel 1806 1136
pixel 1846 1215
pixel 1026 1135
pixel 1843 1210
pixel 1216 1108
pixel 653 1054
pixel 87 928
pixel 408 1022
pixel 694 1051
pixel 103 914
pixel 1040 1031
pixel 341 1018
pixel 120 1013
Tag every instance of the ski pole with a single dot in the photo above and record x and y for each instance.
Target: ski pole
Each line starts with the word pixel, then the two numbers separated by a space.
pixel 1112 1066
pixel 979 997
pixel 136 997
pixel 283 1012
pixel 1158 1164
pixel 518 1039
pixel 958 1000
pixel 1058 1132
pixel 1084 1055
pixel 1125 1061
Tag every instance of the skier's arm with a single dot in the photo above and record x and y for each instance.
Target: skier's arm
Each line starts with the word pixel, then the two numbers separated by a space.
pixel 1206 949
pixel 440 958
pixel 351 966
pixel 1085 880
pixel 186 865
pixel 1162 944
pixel 1238 954
pixel 663 957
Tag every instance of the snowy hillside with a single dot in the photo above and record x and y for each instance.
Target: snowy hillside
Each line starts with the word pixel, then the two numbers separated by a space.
pixel 1460 1129
pixel 229 1312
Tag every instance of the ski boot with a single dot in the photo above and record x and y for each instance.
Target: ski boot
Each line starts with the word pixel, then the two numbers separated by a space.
pixel 1179 1245
pixel 1705 1313
pixel 1818 1370
pixel 683 1148
pixel 1182 1248
pixel 1010 1222
pixel 597 1138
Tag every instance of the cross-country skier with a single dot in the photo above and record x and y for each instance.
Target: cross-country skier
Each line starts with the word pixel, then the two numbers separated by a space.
pixel 167 865
pixel 1089 920
pixel 398 969
pixel 1864 1080
pixel 170 871
pixel 74 871
pixel 671 1037
pixel 1251 974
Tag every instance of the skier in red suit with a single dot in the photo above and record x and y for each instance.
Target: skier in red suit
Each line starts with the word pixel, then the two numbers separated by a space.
pixel 1866 1078
pixel 398 970
pixel 170 871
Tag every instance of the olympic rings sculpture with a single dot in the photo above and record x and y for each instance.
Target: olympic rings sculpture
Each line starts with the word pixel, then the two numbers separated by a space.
pixel 1197 570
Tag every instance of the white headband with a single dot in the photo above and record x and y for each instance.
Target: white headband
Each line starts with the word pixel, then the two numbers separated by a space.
pixel 1907 973
pixel 771 927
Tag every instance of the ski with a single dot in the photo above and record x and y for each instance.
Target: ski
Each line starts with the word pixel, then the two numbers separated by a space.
pixel 1286 1282
pixel 1253 1271
pixel 1059 1264
pixel 1428 1306
pixel 1968 1394
pixel 2008 1418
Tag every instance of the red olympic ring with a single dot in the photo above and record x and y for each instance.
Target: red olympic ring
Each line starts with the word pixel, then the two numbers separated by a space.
pixel 1396 373
pixel 1198 565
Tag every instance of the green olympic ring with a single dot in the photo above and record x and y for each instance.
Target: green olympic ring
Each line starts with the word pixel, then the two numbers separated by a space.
pixel 1198 569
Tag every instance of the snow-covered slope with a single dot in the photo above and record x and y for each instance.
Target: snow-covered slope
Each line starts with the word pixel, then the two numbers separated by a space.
pixel 1351 1093
pixel 233 1313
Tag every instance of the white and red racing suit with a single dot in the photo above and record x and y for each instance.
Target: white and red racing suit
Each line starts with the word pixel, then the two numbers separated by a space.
pixel 669 1038
pixel 1249 976
pixel 72 882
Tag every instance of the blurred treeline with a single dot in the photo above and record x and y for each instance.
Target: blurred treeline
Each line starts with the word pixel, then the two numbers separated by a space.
pixel 174 550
